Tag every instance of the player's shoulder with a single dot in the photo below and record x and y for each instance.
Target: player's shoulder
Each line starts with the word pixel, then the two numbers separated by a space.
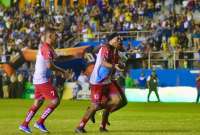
pixel 104 47
pixel 44 46
pixel 47 51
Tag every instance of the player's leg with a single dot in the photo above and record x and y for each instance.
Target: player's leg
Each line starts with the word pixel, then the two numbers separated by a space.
pixel 93 108
pixel 96 96
pixel 30 114
pixel 197 100
pixel 104 121
pixel 111 106
pixel 157 95
pixel 104 100
pixel 49 92
pixel 198 95
pixel 117 100
pixel 116 89
pixel 92 118
pixel 148 97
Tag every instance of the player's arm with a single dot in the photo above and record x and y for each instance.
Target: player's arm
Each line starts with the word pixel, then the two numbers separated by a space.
pixel 64 58
pixel 112 66
pixel 105 57
pixel 107 64
pixel 52 66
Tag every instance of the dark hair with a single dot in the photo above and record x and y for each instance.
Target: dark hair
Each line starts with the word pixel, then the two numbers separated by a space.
pixel 111 36
pixel 50 30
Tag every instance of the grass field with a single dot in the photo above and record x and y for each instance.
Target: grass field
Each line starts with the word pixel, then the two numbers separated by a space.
pixel 134 119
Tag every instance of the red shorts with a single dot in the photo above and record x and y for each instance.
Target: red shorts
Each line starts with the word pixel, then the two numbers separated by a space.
pixel 45 90
pixel 98 94
pixel 114 88
pixel 101 93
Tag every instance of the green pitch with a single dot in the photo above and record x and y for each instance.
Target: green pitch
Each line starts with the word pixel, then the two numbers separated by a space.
pixel 134 119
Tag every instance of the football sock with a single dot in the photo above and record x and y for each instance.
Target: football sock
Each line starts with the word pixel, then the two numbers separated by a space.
pixel 30 115
pixel 46 113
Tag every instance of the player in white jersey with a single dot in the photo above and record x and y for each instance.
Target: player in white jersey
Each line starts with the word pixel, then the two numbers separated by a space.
pixel 43 86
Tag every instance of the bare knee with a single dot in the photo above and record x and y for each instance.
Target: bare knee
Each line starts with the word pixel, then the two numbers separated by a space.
pixel 115 100
pixel 95 107
pixel 38 103
pixel 56 101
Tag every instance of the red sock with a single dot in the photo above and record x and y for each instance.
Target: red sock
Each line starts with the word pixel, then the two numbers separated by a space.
pixel 46 113
pixel 83 122
pixel 104 119
pixel 30 115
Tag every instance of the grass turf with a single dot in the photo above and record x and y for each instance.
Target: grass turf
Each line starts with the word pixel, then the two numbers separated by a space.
pixel 134 119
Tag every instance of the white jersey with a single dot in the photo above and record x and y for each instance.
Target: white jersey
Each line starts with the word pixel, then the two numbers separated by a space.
pixel 101 74
pixel 42 72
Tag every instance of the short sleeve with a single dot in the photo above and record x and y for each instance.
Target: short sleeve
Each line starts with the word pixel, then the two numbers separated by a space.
pixel 47 53
pixel 104 52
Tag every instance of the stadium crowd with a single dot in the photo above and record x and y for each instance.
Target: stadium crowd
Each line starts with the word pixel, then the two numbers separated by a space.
pixel 170 26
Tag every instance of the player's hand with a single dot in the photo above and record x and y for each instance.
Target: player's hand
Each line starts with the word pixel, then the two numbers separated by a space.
pixel 119 68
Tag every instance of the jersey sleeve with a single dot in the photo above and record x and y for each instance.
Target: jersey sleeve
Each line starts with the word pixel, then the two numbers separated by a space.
pixel 47 53
pixel 104 53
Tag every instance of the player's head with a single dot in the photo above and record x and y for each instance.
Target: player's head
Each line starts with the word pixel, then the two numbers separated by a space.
pixel 114 40
pixel 49 36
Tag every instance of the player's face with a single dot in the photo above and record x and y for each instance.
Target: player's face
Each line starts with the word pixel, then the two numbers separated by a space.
pixel 52 38
pixel 116 42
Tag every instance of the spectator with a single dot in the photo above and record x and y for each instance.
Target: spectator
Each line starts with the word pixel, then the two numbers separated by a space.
pixel 183 40
pixel 83 81
pixel 196 37
pixel 6 83
pixel 72 77
pixel 168 52
pixel 20 85
pixel 165 53
pixel 190 57
pixel 13 86
pixel 174 41
pixel 129 81
pixel 170 5
pixel 142 81
pixel 76 89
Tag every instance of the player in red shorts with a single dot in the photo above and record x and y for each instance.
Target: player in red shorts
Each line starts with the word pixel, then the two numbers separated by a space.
pixel 43 86
pixel 115 93
pixel 117 100
pixel 101 82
